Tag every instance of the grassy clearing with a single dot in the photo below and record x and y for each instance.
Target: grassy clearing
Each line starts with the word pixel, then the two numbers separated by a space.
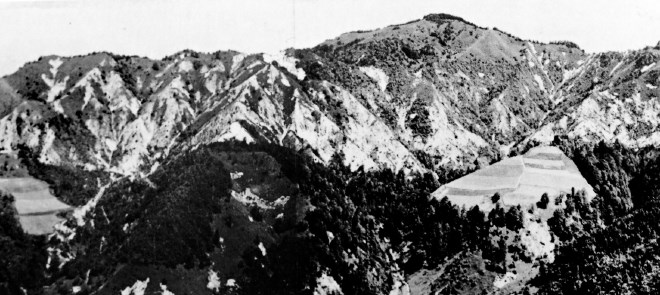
pixel 475 192
pixel 500 171
pixel 22 184
pixel 37 207
pixel 475 182
pixel 520 180
pixel 548 164
pixel 545 156
pixel 39 224
pixel 552 179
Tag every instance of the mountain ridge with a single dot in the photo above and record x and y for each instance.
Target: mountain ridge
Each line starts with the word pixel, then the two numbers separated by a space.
pixel 236 161
pixel 438 65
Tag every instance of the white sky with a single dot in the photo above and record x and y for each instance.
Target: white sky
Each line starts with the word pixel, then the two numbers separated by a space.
pixel 156 28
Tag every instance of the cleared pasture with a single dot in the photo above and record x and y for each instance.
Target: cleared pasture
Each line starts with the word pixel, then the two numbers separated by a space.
pixel 513 161
pixel 22 185
pixel 475 182
pixel 551 179
pixel 545 156
pixel 548 164
pixel 570 166
pixel 39 224
pixel 519 180
pixel 477 192
pixel 500 171
pixel 37 207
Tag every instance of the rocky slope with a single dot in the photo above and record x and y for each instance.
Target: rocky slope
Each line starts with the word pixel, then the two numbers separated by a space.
pixel 611 97
pixel 435 92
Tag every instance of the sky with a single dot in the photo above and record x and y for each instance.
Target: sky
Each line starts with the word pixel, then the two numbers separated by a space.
pixel 156 28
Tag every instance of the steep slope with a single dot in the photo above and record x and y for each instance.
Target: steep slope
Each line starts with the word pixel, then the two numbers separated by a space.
pixel 120 114
pixel 539 182
pixel 447 87
pixel 228 173
pixel 236 218
pixel 432 93
pixel 611 97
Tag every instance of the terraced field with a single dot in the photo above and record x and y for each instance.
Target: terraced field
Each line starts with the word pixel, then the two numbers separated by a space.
pixel 37 207
pixel 519 180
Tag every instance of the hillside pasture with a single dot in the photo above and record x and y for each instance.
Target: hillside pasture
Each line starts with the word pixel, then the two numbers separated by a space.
pixel 476 182
pixel 544 164
pixel 545 156
pixel 500 171
pixel 37 207
pixel 519 180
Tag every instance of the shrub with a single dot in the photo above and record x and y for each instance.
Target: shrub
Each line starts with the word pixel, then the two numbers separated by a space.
pixel 543 203
pixel 495 198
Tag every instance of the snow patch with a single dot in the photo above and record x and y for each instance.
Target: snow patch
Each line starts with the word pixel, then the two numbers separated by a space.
pixel 48 155
pixel 231 283
pixel 281 201
pixel 616 67
pixel 330 235
pixel 185 66
pixel 137 288
pixel 539 81
pixel 400 287
pixel 236 175
pixel 377 75
pixel 262 248
pixel 80 213
pixel 285 81
pixel 504 280
pixel 164 291
pixel 56 87
pixel 538 240
pixel 287 62
pixel 214 283
pixel 236 61
pixel 326 285
pixel 55 64
pixel 248 198
pixel 569 74
pixel 648 67
pixel 237 132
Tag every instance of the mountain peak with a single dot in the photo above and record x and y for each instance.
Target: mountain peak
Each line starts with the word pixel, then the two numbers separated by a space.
pixel 445 17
